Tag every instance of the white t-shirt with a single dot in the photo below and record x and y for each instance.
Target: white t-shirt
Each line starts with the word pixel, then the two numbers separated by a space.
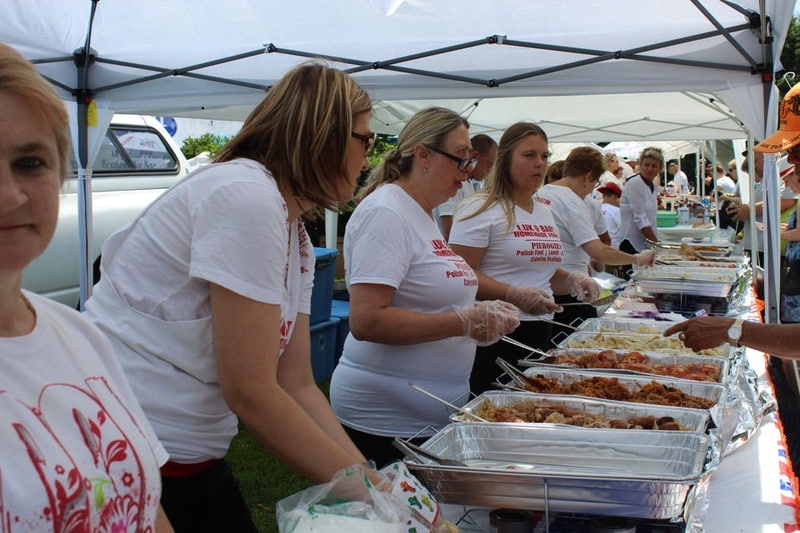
pixel 575 221
pixel 638 209
pixel 607 176
pixel 390 240
pixel 77 451
pixel 227 224
pixel 467 188
pixel 595 206
pixel 611 216
pixel 680 182
pixel 528 255
pixel 727 185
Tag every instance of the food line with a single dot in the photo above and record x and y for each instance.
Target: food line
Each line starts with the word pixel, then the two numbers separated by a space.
pixel 698 474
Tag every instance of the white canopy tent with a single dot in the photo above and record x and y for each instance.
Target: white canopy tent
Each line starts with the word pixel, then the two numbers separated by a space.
pixel 206 58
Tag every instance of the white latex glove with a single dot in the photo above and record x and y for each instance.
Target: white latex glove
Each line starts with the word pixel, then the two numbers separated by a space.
pixel 646 258
pixel 485 322
pixel 532 300
pixel 583 287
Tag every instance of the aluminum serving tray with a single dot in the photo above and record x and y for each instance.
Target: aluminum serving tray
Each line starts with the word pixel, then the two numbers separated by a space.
pixel 527 466
pixel 626 325
pixel 634 341
pixel 689 419
pixel 725 369
pixel 714 392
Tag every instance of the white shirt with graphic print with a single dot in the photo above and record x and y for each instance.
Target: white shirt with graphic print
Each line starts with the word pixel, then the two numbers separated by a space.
pixel 226 224
pixel 527 255
pixel 390 240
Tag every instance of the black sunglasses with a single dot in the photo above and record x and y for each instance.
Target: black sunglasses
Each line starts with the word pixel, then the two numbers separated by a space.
pixel 464 165
pixel 367 140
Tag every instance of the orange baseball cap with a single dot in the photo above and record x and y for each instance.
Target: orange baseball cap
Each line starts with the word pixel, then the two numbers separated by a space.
pixel 788 133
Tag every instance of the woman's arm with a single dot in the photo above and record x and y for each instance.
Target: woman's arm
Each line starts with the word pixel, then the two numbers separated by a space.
pixel 709 332
pixel 247 337
pixel 611 256
pixel 791 234
pixel 162 522
pixel 373 318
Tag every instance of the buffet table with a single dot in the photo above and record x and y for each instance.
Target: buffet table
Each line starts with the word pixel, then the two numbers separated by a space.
pixel 750 492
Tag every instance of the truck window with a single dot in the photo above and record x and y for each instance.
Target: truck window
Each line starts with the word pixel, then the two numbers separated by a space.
pixel 128 149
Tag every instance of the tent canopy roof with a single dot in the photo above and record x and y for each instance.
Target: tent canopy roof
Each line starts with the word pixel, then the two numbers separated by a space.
pixel 216 59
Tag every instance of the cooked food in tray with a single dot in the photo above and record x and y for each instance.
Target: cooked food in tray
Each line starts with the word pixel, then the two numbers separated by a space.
pixel 697 368
pixel 552 413
pixel 611 388
pixel 648 343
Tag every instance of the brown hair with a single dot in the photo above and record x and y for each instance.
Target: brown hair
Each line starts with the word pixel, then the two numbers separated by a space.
pixel 583 159
pixel 300 131
pixel 498 187
pixel 20 77
pixel 554 172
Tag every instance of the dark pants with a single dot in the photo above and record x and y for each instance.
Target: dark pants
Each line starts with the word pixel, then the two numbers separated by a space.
pixel 377 448
pixel 206 501
pixel 534 333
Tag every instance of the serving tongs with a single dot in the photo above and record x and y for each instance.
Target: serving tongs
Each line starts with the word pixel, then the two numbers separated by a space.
pixel 411 449
pixel 456 408
pixel 517 376
pixel 605 300
pixel 544 357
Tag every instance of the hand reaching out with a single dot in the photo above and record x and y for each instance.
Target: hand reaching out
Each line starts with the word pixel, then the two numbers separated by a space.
pixel 487 321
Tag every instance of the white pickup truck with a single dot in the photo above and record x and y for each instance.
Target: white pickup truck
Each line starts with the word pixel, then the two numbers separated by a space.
pixel 137 162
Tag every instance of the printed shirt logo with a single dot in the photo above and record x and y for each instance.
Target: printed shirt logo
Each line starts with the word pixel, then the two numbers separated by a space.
pixel 459 268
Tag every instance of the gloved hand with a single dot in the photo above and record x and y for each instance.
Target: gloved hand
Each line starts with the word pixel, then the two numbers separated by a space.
pixel 487 321
pixel 532 300
pixel 646 258
pixel 583 287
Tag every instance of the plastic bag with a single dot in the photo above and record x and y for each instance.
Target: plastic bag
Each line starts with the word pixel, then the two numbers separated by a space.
pixel 350 502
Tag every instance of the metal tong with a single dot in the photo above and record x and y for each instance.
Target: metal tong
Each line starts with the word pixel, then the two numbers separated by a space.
pixel 448 404
pixel 605 300
pixel 416 452
pixel 544 357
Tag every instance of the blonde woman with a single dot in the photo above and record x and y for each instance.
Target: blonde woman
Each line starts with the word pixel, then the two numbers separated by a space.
pixel 514 246
pixel 206 297
pixel 413 317
pixel 78 453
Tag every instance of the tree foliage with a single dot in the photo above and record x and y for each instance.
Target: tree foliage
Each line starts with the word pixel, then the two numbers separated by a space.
pixel 790 58
pixel 207 142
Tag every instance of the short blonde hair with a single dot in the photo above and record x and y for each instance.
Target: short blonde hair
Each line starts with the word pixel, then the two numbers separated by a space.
pixel 301 129
pixel 18 76
pixel 651 152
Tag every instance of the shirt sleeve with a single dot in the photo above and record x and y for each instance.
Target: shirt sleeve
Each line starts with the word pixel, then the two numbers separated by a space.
pixel 639 198
pixel 374 254
pixel 474 232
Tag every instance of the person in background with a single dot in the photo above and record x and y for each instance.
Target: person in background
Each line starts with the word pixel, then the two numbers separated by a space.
pixel 611 194
pixel 206 297
pixel 613 172
pixel 554 172
pixel 680 182
pixel 513 245
pixel 790 267
pixel 78 453
pixel 566 199
pixel 485 152
pixel 413 316
pixel 726 184
pixel 638 204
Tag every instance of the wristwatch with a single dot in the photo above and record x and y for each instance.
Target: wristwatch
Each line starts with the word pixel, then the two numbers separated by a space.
pixel 735 332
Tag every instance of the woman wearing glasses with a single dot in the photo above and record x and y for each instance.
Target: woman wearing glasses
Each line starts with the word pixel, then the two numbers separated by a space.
pixel 206 297
pixel 514 246
pixel 413 317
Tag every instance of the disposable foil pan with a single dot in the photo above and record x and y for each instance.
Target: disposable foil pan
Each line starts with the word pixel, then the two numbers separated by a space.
pixel 639 326
pixel 633 341
pixel 689 419
pixel 663 364
pixel 714 392
pixel 565 469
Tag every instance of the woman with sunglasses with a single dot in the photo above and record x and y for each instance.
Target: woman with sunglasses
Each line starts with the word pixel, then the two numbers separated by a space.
pixel 206 297
pixel 413 317
pixel 514 246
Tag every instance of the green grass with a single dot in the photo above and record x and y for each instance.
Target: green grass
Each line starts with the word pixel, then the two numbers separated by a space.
pixel 262 478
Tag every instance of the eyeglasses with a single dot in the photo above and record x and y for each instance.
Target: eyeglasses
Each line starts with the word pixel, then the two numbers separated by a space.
pixel 464 165
pixel 367 140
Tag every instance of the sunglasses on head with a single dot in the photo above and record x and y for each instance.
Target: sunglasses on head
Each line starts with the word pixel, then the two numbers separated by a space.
pixel 464 165
pixel 367 140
